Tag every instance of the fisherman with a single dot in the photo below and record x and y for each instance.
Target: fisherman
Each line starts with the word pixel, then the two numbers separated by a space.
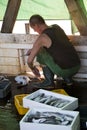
pixel 54 52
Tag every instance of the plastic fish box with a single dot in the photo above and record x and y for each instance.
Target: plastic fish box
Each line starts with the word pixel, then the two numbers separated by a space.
pixel 48 119
pixel 18 99
pixel 44 98
pixel 5 88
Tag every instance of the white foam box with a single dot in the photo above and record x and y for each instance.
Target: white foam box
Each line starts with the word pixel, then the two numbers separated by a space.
pixel 65 120
pixel 62 102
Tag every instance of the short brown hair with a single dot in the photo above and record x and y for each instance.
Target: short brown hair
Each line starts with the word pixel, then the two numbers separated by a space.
pixel 36 19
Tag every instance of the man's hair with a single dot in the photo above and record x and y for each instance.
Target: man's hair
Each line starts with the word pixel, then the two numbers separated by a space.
pixel 36 19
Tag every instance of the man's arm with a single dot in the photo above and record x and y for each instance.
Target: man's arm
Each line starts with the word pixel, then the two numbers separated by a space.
pixel 42 41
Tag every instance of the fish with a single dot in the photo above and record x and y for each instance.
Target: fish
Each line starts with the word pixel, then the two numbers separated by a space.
pixel 50 118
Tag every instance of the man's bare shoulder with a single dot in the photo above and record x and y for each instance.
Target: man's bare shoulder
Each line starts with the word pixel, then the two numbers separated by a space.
pixel 45 40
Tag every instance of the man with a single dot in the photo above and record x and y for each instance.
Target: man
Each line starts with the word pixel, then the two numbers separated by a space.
pixel 54 52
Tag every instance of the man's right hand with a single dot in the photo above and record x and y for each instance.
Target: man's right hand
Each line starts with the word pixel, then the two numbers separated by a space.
pixel 28 52
pixel 36 71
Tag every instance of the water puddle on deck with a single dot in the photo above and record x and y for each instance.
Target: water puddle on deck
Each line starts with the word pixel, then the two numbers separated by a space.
pixel 9 118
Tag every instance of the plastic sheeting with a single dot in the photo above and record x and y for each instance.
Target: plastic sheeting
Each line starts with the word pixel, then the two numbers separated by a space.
pixel 47 8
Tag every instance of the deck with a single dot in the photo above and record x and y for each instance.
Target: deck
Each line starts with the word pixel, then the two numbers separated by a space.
pixel 79 90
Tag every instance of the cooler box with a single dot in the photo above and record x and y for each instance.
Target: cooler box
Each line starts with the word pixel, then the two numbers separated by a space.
pixel 48 119
pixel 48 99
pixel 5 88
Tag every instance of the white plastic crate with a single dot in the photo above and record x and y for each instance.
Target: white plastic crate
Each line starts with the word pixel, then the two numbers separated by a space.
pixel 53 100
pixel 41 119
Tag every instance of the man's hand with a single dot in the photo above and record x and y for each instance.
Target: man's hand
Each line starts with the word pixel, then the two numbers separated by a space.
pixel 28 52
pixel 36 71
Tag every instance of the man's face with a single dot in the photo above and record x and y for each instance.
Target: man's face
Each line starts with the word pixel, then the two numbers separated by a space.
pixel 36 28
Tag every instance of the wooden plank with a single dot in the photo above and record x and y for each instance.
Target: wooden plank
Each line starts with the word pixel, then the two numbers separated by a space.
pixel 9 61
pixel 11 70
pixel 27 28
pixel 83 69
pixel 81 48
pixel 10 16
pixel 29 46
pixel 82 55
pixel 15 46
pixel 80 76
pixel 78 40
pixel 30 39
pixel 22 61
pixel 77 15
pixel 18 38
pixel 8 52
pixel 83 62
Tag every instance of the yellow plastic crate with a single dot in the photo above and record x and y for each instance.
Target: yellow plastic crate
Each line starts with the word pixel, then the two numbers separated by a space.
pixel 19 104
pixel 60 91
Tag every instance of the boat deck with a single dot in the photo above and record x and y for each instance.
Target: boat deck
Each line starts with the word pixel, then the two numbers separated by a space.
pixel 9 114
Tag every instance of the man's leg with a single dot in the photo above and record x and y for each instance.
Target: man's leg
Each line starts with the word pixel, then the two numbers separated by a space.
pixel 48 82
pixel 48 74
pixel 44 58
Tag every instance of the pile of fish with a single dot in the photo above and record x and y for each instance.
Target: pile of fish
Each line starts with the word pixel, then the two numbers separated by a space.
pixel 49 100
pixel 54 118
